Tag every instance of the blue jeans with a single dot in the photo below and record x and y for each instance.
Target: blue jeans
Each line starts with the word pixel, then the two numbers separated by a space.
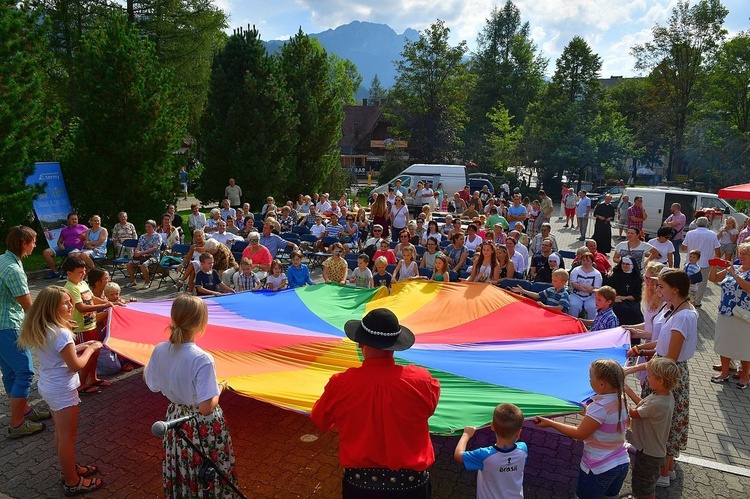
pixel 15 364
pixel 606 484
pixel 676 254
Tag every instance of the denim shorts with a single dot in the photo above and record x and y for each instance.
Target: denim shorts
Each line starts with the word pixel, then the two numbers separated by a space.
pixel 16 365
pixel 605 484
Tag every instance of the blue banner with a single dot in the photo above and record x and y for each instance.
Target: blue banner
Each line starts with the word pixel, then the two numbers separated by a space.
pixel 52 206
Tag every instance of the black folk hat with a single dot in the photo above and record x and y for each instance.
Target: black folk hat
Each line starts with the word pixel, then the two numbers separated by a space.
pixel 380 329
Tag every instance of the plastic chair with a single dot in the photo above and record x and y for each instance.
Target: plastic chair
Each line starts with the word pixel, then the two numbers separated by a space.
pixel 237 248
pixel 300 230
pixel 425 272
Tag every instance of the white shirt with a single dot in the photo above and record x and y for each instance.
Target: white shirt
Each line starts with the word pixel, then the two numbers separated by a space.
pixel 591 278
pixel 518 262
pixel 664 249
pixel 54 375
pixel 472 245
pixel 185 375
pixel 703 240
pixel 685 321
pixel 227 238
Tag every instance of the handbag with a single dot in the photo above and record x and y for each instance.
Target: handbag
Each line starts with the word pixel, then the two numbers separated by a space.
pixel 741 313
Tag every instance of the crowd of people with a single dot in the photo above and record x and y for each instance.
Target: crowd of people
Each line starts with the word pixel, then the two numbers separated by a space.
pixel 501 241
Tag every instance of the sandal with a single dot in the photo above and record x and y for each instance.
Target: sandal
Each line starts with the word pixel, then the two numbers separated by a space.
pixel 178 285
pixel 101 382
pixel 81 487
pixel 89 390
pixel 130 285
pixel 147 285
pixel 88 470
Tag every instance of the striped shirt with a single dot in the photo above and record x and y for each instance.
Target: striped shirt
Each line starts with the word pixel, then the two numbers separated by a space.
pixel 13 284
pixel 247 282
pixel 605 448
pixel 553 298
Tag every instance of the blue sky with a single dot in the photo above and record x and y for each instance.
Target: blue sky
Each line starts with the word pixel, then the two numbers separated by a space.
pixel 610 27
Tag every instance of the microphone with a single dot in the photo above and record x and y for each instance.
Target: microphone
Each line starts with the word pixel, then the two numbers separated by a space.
pixel 160 428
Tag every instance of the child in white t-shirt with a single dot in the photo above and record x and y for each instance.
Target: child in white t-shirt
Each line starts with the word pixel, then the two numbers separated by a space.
pixel 276 280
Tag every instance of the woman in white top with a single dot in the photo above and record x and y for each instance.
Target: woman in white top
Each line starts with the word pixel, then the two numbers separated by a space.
pixel 727 236
pixel 584 280
pixel 677 329
pixel 399 215
pixel 186 375
pixel 664 246
pixel 472 239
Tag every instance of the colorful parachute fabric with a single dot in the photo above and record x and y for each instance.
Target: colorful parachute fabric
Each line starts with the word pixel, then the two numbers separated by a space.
pixel 486 346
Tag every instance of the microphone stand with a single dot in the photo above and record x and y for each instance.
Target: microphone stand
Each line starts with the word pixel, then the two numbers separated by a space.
pixel 207 461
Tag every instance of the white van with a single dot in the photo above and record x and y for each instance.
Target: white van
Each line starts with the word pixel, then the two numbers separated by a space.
pixel 657 201
pixel 453 178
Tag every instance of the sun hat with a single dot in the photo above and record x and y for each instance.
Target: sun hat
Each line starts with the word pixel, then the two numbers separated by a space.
pixel 380 329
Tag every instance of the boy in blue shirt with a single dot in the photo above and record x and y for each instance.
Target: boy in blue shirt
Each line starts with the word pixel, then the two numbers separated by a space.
pixel 556 296
pixel 501 465
pixel 298 274
pixel 605 317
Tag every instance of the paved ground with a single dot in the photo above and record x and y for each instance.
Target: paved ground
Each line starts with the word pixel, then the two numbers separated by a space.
pixel 275 461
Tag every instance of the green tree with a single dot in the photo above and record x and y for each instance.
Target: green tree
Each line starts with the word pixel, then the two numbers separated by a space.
pixel 249 125
pixel 508 71
pixel 504 138
pixel 377 92
pixel 27 124
pixel 428 102
pixel 120 153
pixel 574 127
pixel 186 34
pixel 677 60
pixel 318 107
pixel 345 78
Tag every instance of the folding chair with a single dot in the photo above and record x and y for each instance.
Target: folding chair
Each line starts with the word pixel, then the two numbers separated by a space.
pixel 164 272
pixel 121 261
pixel 317 257
pixel 351 260
pixel 237 248
pixel 300 230
pixel 425 272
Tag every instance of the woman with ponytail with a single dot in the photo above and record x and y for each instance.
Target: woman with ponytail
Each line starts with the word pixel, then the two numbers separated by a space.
pixel 186 375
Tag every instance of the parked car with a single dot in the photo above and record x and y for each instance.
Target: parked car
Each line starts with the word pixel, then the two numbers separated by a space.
pixel 597 194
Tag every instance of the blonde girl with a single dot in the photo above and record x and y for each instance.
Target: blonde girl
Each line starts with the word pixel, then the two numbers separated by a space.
pixel 45 328
pixel 651 303
pixel 605 461
pixel 277 280
pixel 406 268
pixel 727 236
pixel 441 273
pixel 186 375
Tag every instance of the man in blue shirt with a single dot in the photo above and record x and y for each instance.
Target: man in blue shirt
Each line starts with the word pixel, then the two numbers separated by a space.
pixel 272 241
pixel 583 208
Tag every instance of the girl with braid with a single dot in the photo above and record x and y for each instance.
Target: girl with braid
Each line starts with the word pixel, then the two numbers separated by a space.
pixel 605 461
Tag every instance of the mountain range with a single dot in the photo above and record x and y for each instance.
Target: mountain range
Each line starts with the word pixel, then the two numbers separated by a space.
pixel 371 47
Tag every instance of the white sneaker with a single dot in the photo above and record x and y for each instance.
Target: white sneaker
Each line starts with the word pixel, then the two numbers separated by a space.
pixel 662 481
pixel 673 475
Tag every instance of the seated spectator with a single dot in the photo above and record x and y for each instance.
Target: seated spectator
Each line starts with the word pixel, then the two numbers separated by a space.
pixel 227 210
pixel 521 236
pixel 94 243
pixel 175 218
pixel 470 212
pixel 276 280
pixel 224 262
pixel 544 263
pixel 457 253
pixel 504 263
pixel 304 207
pixel 381 277
pixel 70 242
pixel 240 215
pixel 441 271
pixel 246 210
pixel 196 219
pixel 556 296
pixel 232 227
pixel 207 281
pixel 146 253
pixel 605 318
pixel 432 232
pixel 447 227
pixel 601 262
pixel 418 230
pixel 495 218
pixel 498 234
pixel 519 262
pixel 275 225
pixel 223 236
pixel 404 239
pixel 457 229
pixel 335 268
pixel 350 235
pixel 472 241
pixel 334 228
pixel 363 225
pixel 168 232
pixel 323 206
pixel 457 205
pixel 121 231
pixel 248 226
pixel 191 262
pixel 298 274
pixel 407 267
pixel 385 252
pixel 584 281
pixel 269 206
pixel 273 242
pixel 428 257
pixel 258 253
pixel 212 224
pixel 627 282
pixel 545 233
pixel 286 221
pixel 485 268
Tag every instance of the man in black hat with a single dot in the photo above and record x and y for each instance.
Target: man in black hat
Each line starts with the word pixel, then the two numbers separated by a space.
pixel 381 410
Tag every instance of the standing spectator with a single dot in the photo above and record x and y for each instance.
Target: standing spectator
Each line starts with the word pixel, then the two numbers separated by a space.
pixel 704 240
pixel 69 242
pixel 563 193
pixel 637 214
pixel 184 183
pixel 744 233
pixel 677 221
pixel 398 189
pixel 622 213
pixel 381 214
pixel 516 211
pixel 663 246
pixel 233 193
pixel 121 231
pixel 727 236
pixel 639 251
pixel 15 362
pixel 604 214
pixel 583 209
pixel 569 201
pixel 545 210
pixel 391 458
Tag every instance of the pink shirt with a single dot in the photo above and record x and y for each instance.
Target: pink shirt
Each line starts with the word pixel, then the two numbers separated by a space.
pixel 71 236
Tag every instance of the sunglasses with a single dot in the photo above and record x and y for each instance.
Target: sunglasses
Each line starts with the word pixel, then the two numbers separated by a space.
pixel 337 252
pixel 377 230
pixel 404 237
pixel 253 240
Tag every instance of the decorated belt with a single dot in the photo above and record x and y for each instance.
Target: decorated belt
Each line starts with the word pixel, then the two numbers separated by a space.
pixel 385 479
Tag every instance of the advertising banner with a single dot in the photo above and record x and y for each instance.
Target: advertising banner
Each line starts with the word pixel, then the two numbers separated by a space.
pixel 52 206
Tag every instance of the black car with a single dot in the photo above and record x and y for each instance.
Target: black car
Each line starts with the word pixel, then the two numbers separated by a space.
pixel 597 194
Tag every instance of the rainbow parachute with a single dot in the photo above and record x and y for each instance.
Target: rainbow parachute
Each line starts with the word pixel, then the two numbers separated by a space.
pixel 486 346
